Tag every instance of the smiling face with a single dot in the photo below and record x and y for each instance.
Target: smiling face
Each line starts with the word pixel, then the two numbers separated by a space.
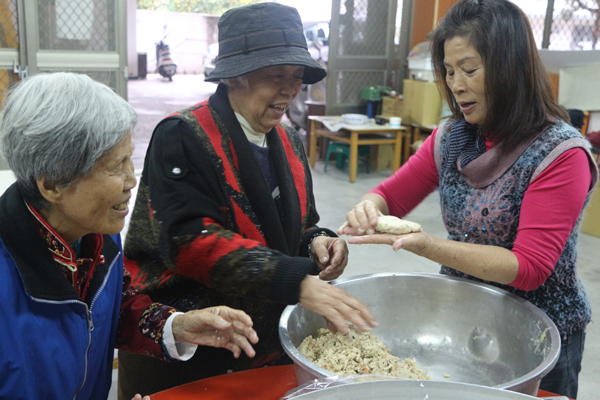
pixel 465 76
pixel 97 202
pixel 264 96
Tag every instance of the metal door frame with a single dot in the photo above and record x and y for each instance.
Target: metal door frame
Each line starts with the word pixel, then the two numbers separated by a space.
pixel 9 58
pixel 36 60
pixel 401 60
pixel 336 63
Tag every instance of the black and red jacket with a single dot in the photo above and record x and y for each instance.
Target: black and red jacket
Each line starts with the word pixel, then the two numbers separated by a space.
pixel 205 229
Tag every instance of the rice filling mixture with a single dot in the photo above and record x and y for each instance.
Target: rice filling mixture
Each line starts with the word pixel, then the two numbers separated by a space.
pixel 357 353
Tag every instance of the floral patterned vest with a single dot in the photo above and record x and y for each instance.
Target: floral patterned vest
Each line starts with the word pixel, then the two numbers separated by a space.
pixel 490 215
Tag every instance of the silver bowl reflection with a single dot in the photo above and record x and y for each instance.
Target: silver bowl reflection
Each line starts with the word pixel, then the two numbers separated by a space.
pixel 410 390
pixel 460 330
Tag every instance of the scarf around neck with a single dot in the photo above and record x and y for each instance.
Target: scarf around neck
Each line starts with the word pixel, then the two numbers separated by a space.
pixel 465 148
pixel 464 145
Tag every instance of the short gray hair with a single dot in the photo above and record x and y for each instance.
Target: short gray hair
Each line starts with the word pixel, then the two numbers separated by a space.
pixel 56 126
pixel 242 79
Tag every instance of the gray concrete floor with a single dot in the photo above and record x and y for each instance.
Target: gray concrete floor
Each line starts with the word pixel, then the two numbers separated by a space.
pixel 154 98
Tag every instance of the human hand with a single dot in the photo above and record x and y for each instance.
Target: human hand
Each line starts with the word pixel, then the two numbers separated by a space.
pixel 416 242
pixel 337 306
pixel 217 327
pixel 331 256
pixel 361 220
pixel 139 397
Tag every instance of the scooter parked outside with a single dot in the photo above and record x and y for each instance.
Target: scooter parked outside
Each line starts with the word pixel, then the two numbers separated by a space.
pixel 165 65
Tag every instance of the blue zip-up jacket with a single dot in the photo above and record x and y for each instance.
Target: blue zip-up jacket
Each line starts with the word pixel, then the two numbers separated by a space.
pixel 52 345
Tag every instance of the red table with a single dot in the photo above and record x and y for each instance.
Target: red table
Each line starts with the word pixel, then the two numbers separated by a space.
pixel 269 383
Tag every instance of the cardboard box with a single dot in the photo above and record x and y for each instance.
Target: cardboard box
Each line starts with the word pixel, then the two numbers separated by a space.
pixel 382 158
pixel 590 223
pixel 422 103
pixel 391 106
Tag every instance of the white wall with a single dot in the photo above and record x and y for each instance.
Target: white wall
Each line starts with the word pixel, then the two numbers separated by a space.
pixel 190 34
pixel 594 122
pixel 132 56
pixel 7 178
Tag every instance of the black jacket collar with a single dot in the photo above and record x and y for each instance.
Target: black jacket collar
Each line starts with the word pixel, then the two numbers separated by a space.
pixel 284 238
pixel 41 276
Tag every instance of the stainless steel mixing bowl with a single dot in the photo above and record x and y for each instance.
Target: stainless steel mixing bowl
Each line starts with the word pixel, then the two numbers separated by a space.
pixel 472 332
pixel 411 390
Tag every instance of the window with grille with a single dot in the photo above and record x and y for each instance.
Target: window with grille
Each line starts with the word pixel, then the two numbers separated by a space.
pixel 575 24
pixel 82 25
pixel 9 27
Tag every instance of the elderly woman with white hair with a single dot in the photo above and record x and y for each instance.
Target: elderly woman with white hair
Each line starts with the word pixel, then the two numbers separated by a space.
pixel 66 302
pixel 225 213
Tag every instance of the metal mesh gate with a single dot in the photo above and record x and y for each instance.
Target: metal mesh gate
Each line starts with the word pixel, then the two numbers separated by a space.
pixel 351 83
pixel 9 27
pixel 80 36
pixel 573 25
pixel 9 38
pixel 80 25
pixel 362 28
pixel 361 51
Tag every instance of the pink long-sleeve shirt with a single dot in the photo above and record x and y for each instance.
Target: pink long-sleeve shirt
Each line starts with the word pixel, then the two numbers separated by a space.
pixel 550 209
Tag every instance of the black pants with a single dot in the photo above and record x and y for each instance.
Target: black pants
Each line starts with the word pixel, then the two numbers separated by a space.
pixel 564 377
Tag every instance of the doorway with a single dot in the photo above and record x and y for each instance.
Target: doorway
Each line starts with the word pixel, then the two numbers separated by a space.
pixel 82 36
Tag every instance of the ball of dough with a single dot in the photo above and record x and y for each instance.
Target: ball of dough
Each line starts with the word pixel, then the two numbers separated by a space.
pixel 395 225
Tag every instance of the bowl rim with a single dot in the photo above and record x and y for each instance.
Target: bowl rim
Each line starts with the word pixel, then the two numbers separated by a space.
pixel 540 370
pixel 437 384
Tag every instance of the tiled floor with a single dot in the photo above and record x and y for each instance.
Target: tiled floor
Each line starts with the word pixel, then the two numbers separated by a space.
pixel 335 196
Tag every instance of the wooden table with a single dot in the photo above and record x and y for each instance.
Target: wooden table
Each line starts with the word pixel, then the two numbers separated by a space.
pixel 270 383
pixel 313 108
pixel 355 135
pixel 416 130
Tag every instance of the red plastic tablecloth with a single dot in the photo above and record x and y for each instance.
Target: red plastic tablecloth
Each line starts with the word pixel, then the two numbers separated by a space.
pixel 269 383
pixel 254 384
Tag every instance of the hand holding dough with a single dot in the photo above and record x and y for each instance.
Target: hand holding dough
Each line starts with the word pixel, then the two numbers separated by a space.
pixel 395 225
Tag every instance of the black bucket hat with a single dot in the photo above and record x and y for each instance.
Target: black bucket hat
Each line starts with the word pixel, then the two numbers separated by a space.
pixel 259 36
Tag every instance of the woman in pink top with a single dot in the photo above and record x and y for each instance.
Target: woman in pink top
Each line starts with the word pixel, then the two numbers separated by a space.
pixel 513 175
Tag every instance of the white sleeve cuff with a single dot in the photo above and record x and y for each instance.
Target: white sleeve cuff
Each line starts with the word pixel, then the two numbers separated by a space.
pixel 182 351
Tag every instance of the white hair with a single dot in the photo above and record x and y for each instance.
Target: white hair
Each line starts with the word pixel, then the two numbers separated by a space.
pixel 242 80
pixel 56 126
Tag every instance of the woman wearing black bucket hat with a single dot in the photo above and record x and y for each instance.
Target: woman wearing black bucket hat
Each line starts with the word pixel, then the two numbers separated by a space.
pixel 225 212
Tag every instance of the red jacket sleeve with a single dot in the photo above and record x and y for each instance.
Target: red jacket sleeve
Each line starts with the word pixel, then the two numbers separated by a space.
pixel 141 323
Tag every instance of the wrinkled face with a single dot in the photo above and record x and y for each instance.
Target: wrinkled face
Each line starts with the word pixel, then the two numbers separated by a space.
pixel 465 75
pixel 97 202
pixel 267 95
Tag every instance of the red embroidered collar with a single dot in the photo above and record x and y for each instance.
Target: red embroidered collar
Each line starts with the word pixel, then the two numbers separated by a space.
pixel 78 271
